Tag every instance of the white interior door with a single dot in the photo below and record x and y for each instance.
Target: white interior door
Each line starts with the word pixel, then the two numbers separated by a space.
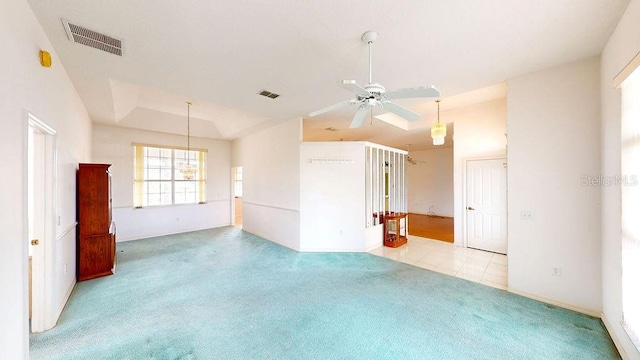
pixel 487 205
pixel 41 210
pixel 36 224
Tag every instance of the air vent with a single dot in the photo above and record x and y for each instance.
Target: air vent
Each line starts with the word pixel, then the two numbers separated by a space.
pixel 268 94
pixel 84 36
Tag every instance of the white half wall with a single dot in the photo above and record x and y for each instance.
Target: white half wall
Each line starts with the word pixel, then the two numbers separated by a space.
pixel 430 181
pixel 622 46
pixel 554 141
pixel 479 132
pixel 113 145
pixel 332 197
pixel 47 93
pixel 133 224
pixel 270 161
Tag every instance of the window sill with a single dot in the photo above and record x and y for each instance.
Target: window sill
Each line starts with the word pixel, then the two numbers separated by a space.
pixel 167 206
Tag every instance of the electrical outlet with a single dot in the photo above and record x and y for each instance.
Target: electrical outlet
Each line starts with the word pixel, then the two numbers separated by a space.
pixel 556 271
pixel 58 220
pixel 525 215
pixel 65 268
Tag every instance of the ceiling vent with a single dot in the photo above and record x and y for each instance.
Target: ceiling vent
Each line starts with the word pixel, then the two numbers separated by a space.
pixel 84 36
pixel 268 94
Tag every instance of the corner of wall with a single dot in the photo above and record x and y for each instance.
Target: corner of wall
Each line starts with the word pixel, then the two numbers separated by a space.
pixel 544 177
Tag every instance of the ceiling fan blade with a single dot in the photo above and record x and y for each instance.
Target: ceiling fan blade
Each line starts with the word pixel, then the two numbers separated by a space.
pixel 422 91
pixel 354 88
pixel 333 107
pixel 400 111
pixel 358 118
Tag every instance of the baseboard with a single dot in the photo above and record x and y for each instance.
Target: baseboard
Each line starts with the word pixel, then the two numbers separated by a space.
pixel 371 247
pixel 119 240
pixel 52 321
pixel 417 213
pixel 266 238
pixel 593 313
pixel 614 336
pixel 65 300
pixel 334 250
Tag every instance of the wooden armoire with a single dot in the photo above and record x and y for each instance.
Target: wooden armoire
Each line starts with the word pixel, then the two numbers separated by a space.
pixel 96 238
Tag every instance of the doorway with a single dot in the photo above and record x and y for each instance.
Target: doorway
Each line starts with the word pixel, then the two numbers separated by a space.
pixel 486 204
pixel 41 150
pixel 237 196
pixel 430 174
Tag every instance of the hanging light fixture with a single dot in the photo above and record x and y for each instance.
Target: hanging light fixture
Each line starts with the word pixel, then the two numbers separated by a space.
pixel 187 169
pixel 438 130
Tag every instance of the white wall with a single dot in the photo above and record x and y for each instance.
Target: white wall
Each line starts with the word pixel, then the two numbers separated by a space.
pixel 270 161
pixel 623 45
pixel 332 197
pixel 479 131
pixel 47 93
pixel 430 181
pixel 112 145
pixel 554 140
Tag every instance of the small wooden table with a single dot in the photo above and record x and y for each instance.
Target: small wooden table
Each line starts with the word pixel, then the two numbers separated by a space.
pixel 395 229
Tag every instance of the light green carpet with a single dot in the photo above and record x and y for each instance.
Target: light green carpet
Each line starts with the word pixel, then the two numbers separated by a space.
pixel 226 294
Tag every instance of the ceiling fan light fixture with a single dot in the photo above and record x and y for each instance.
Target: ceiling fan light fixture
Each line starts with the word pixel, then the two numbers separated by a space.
pixel 438 130
pixel 374 94
pixel 438 133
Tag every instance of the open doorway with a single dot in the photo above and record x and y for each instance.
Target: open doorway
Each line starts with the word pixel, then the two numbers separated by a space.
pixel 237 196
pixel 41 218
pixel 430 179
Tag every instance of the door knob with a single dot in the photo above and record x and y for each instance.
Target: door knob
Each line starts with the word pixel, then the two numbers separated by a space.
pixel 35 242
pixel 470 208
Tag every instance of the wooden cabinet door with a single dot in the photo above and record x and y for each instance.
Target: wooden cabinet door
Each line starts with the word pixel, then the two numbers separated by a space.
pixel 94 199
pixel 95 244
pixel 97 254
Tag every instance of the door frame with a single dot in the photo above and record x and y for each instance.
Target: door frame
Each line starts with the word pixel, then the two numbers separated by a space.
pixel 43 314
pixel 233 194
pixel 464 195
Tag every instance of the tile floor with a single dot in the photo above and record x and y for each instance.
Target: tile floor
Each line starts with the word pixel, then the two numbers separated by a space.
pixel 475 265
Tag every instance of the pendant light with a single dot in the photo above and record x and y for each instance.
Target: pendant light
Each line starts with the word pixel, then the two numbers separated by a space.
pixel 187 169
pixel 438 130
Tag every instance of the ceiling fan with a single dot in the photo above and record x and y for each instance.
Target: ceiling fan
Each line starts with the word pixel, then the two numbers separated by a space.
pixel 374 94
pixel 411 160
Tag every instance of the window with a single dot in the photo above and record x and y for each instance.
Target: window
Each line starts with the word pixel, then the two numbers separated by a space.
pixel 158 180
pixel 630 196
